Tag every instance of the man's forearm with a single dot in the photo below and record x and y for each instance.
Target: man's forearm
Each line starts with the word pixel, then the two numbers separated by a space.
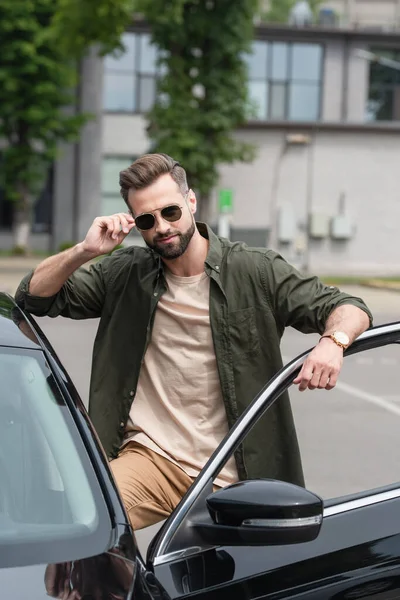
pixel 51 274
pixel 349 319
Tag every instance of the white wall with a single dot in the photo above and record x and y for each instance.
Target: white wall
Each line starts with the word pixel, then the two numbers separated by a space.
pixel 363 166
pixel 365 12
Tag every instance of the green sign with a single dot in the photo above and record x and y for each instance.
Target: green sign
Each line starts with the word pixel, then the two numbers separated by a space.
pixel 225 201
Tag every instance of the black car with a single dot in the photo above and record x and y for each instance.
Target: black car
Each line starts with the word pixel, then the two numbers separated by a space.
pixel 64 532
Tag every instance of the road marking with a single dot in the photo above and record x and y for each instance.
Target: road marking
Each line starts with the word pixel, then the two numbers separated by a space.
pixel 385 404
pixel 363 360
pixel 394 399
pixel 357 393
pixel 389 362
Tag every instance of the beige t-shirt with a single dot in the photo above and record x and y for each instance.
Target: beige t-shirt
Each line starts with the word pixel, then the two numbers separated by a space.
pixel 178 409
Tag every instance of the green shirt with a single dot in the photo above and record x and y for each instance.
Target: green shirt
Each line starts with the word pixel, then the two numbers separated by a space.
pixel 254 295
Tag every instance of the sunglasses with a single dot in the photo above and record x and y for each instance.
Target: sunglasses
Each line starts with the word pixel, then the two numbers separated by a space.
pixel 146 221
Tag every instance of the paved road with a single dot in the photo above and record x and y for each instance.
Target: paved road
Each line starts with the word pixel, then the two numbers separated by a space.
pixel 348 437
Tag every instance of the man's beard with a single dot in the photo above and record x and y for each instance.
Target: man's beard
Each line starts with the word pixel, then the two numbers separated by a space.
pixel 177 247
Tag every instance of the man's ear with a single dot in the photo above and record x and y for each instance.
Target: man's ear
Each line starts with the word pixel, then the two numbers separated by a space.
pixel 192 201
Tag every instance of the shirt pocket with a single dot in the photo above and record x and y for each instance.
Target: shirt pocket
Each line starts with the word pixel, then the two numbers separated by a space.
pixel 243 332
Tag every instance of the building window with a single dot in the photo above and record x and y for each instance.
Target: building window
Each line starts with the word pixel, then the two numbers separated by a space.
pixel 111 199
pixel 130 79
pixel 285 80
pixel 384 88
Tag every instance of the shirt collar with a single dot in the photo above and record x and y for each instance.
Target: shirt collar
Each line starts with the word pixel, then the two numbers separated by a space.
pixel 214 255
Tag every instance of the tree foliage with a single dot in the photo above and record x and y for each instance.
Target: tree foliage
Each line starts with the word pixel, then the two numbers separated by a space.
pixel 279 10
pixel 203 90
pixel 77 24
pixel 34 83
pixel 42 42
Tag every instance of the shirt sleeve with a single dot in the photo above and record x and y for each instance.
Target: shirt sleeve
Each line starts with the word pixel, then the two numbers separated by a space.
pixel 81 297
pixel 301 301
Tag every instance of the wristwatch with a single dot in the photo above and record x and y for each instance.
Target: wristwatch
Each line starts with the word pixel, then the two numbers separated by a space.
pixel 340 338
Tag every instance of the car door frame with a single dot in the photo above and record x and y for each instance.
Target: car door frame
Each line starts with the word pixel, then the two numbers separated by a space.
pixel 177 540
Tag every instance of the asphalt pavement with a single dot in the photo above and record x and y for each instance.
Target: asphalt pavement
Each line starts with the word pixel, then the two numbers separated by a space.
pixel 348 437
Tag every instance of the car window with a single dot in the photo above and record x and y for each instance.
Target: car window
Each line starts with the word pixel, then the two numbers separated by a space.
pixel 49 498
pixel 349 436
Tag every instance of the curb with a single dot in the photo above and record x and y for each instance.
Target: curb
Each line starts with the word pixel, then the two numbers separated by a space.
pixel 389 286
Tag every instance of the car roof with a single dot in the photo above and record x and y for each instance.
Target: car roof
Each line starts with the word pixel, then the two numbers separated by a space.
pixel 15 329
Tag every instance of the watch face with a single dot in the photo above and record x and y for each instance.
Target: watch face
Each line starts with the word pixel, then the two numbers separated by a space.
pixel 341 337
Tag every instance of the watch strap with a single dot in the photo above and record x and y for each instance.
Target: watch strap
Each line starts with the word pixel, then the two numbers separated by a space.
pixel 334 339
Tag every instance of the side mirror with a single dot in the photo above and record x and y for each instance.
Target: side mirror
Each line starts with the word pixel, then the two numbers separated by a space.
pixel 262 512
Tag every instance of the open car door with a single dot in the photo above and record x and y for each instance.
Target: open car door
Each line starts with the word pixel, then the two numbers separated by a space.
pixel 270 539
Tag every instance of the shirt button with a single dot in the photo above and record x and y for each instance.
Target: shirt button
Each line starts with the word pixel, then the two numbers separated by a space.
pixel 217 268
pixel 131 393
pixel 122 424
pixel 155 294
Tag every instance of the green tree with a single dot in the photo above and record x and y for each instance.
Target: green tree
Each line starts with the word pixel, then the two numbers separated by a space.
pixel 34 80
pixel 203 92
pixel 42 42
pixel 77 24
pixel 279 10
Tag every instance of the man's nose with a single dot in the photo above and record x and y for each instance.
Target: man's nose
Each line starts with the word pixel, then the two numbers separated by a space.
pixel 161 225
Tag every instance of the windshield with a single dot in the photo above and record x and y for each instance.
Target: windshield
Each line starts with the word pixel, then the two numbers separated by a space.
pixel 50 504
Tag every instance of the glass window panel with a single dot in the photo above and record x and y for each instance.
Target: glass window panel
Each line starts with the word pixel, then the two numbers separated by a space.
pixel 125 61
pixel 112 204
pixel 304 102
pixel 280 54
pixel 110 169
pixel 148 55
pixel 371 108
pixel 278 101
pixel 162 68
pixel 380 104
pixel 46 497
pixel 380 75
pixel 383 102
pixel 258 93
pixel 163 99
pixel 147 93
pixel 384 73
pixel 257 60
pixel 306 62
pixel 119 92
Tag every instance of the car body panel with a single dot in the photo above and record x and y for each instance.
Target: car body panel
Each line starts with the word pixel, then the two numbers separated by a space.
pixel 104 576
pixel 355 546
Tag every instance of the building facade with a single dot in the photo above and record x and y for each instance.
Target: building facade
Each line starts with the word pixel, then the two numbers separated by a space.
pixel 323 188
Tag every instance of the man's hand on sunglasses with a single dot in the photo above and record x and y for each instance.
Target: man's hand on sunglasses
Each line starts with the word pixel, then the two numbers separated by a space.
pixel 107 232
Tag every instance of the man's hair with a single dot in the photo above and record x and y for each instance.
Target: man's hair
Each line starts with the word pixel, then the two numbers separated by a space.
pixel 147 169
